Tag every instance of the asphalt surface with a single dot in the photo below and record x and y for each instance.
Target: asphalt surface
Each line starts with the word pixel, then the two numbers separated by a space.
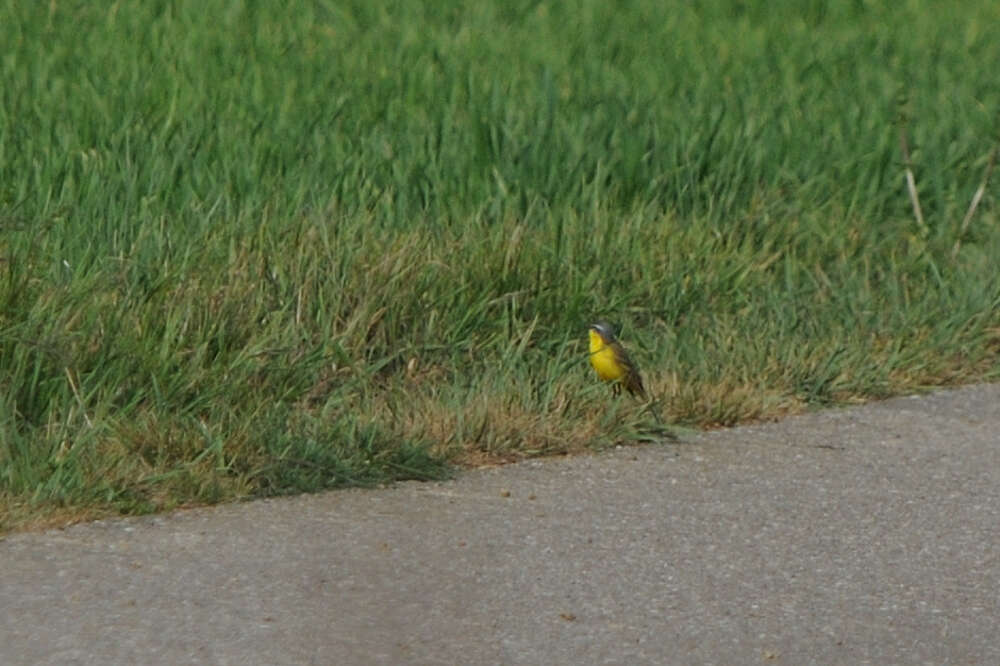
pixel 866 535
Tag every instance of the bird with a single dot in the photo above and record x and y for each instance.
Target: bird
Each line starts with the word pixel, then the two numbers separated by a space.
pixel 612 362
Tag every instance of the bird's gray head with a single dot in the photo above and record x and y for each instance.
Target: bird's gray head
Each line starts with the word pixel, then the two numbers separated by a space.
pixel 604 329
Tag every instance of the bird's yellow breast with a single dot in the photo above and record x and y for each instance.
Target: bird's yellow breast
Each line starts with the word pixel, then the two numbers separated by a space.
pixel 604 360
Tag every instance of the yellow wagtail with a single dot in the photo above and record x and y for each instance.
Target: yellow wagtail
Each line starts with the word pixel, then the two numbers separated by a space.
pixel 612 362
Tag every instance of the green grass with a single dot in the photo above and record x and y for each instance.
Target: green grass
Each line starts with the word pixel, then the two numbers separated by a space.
pixel 253 248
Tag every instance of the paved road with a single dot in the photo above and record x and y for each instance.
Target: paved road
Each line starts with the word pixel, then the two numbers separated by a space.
pixel 863 535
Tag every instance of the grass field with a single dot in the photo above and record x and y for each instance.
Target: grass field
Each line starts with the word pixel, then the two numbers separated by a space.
pixel 253 248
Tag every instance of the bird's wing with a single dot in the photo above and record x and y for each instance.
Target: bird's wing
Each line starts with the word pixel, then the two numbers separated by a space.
pixel 632 378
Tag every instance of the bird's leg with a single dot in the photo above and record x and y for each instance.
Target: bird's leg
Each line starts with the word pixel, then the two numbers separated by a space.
pixel 616 389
